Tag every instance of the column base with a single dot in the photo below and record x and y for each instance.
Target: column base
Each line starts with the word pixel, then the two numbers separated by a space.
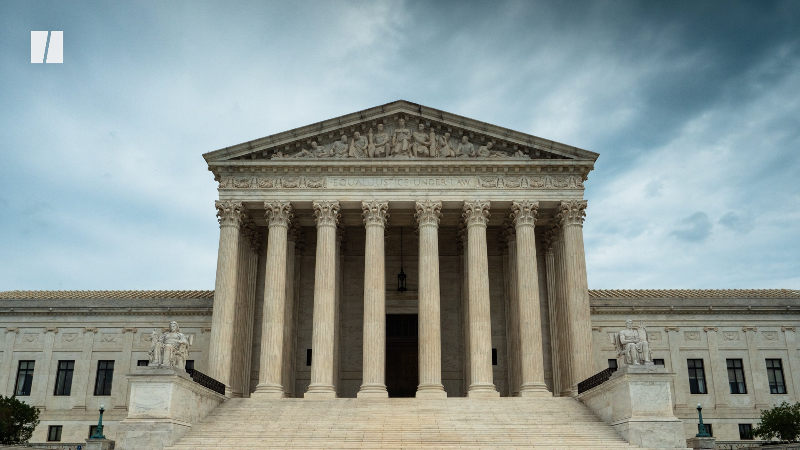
pixel 431 391
pixel 264 390
pixel 373 391
pixel 534 390
pixel 320 391
pixel 482 390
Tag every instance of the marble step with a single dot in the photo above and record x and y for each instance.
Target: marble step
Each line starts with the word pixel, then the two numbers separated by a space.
pixel 552 423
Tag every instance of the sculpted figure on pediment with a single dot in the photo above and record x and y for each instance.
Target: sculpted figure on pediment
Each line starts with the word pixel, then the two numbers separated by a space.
pixel 401 141
pixel 443 148
pixel 465 149
pixel 340 149
pixel 378 143
pixel 358 146
pixel 422 142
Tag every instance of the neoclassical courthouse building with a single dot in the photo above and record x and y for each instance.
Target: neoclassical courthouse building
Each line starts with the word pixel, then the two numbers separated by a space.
pixel 400 251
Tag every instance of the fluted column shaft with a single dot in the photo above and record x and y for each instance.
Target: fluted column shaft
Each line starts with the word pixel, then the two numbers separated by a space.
pixel 430 333
pixel 552 313
pixel 476 216
pixel 270 384
pixel 509 238
pixel 562 315
pixel 530 322
pixel 237 349
pixel 288 315
pixel 374 357
pixel 229 215
pixel 249 310
pixel 465 306
pixel 322 337
pixel 572 214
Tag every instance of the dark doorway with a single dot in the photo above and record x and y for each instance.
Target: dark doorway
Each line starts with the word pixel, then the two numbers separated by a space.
pixel 402 373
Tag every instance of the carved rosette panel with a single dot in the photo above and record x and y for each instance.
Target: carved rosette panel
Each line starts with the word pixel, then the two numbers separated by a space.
pixel 524 213
pixel 691 335
pixel 572 212
pixel 770 335
pixel 229 213
pixel 476 213
pixel 428 213
pixel 375 213
pixel 278 213
pixel 326 213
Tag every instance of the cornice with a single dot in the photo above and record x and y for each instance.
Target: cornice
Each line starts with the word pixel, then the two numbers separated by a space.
pixel 126 311
pixel 693 310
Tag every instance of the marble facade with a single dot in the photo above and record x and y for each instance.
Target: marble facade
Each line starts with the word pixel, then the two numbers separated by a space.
pixel 309 252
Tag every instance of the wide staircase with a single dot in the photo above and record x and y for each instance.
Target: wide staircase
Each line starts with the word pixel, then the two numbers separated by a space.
pixel 542 423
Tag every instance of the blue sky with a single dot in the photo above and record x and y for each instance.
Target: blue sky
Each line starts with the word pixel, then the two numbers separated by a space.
pixel 694 108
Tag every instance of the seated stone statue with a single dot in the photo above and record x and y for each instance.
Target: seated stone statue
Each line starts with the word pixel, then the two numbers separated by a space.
pixel 632 346
pixel 171 349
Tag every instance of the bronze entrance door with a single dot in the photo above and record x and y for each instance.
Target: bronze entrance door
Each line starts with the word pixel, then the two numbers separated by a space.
pixel 402 366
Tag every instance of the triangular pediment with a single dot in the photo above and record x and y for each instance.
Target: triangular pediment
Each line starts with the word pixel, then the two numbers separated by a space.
pixel 400 129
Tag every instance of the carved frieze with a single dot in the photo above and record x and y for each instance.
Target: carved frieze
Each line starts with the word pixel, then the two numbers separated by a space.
pixel 399 182
pixel 770 335
pixel 69 337
pixel 730 335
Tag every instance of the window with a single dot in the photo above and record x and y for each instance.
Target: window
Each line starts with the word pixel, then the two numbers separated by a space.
pixel 775 376
pixel 24 378
pixel 612 364
pixel 308 357
pixel 105 376
pixel 745 431
pixel 142 363
pixel 189 364
pixel 658 362
pixel 736 376
pixel 64 378
pixel 54 433
pixel 697 376
pixel 494 356
pixel 709 429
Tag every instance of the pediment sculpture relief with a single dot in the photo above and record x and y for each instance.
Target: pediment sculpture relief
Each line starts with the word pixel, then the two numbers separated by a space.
pixel 402 143
pixel 632 345
pixel 170 348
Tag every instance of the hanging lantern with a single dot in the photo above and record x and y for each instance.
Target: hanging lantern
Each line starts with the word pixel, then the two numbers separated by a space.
pixel 401 277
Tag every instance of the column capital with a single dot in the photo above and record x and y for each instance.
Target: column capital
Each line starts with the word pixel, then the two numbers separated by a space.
pixel 278 213
pixel 476 213
pixel 326 213
pixel 252 235
pixel 571 212
pixel 524 213
pixel 295 233
pixel 428 213
pixel 375 213
pixel 550 237
pixel 507 232
pixel 229 213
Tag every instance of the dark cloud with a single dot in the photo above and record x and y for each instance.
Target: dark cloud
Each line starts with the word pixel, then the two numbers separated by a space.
pixel 695 228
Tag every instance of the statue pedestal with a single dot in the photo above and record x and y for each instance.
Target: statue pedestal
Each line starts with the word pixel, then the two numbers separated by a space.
pixel 637 402
pixel 164 404
pixel 99 444
pixel 702 442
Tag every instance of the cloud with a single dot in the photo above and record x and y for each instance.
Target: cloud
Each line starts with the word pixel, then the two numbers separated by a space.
pixel 695 228
pixel 737 222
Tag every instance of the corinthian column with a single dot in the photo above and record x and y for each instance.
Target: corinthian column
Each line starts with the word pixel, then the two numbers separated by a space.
pixel 563 324
pixel 512 310
pixel 476 216
pixel 289 312
pixel 430 333
pixel 530 322
pixel 571 214
pixel 322 338
pixel 549 243
pixel 229 215
pixel 373 385
pixel 269 379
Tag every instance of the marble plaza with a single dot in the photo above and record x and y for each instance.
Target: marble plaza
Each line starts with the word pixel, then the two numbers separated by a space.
pixel 392 265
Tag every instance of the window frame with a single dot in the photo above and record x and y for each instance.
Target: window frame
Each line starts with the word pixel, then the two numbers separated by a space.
pixel 19 391
pixel 779 386
pixel 662 363
pixel 140 361
pixel 749 431
pixel 700 386
pixel 103 385
pixel 737 387
pixel 57 429
pixel 64 373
